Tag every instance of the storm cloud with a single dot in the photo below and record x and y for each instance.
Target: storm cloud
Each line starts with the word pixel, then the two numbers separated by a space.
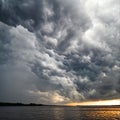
pixel 57 51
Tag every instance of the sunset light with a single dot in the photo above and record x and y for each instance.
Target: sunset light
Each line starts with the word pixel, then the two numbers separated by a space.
pixel 96 103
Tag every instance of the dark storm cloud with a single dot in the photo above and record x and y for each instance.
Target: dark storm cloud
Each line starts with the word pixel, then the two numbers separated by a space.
pixel 28 14
pixel 57 52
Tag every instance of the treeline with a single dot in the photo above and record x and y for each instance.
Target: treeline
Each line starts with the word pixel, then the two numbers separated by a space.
pixel 19 104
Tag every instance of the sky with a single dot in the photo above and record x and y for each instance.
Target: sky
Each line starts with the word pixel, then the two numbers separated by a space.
pixel 59 51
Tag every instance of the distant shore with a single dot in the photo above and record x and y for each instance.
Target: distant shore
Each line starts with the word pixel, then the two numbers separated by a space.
pixel 34 104
pixel 19 104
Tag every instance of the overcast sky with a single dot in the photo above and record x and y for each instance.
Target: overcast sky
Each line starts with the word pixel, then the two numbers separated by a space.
pixel 59 51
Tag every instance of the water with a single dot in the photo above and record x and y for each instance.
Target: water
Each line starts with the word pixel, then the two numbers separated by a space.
pixel 58 113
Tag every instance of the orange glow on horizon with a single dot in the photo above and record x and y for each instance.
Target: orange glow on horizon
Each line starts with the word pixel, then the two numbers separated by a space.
pixel 97 103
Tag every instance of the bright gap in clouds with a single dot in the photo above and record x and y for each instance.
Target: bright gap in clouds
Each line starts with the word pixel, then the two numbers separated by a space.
pixel 96 103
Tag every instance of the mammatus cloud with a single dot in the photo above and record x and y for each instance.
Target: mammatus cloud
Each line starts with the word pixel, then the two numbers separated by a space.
pixel 55 52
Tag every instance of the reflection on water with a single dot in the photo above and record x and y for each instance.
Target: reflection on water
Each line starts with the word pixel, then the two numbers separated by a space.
pixel 101 114
pixel 58 113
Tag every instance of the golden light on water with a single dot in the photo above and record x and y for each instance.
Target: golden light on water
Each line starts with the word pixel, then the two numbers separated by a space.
pixel 97 103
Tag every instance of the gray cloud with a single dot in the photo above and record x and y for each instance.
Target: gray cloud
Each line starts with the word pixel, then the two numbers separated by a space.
pixel 59 51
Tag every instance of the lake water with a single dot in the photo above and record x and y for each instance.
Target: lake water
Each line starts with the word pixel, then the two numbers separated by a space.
pixel 58 113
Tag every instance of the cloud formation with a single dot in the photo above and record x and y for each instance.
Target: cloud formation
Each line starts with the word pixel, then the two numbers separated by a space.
pixel 57 51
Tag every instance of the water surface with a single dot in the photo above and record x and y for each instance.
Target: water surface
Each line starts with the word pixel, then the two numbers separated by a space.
pixel 58 113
